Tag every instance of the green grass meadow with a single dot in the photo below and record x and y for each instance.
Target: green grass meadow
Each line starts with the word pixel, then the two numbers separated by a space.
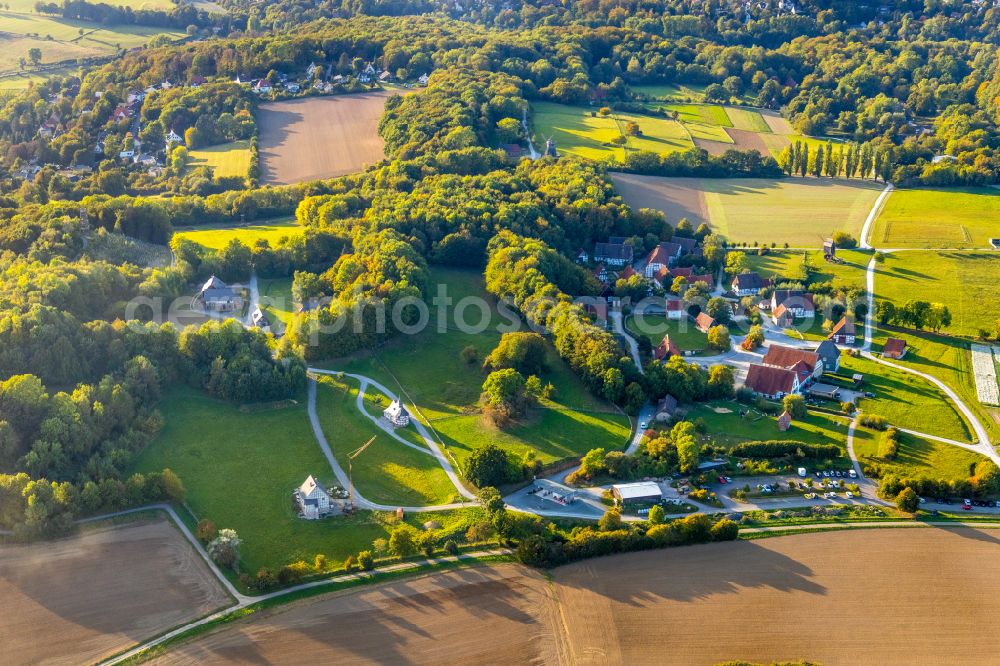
pixel 427 368
pixel 959 217
pixel 226 160
pixel 682 332
pixel 917 457
pixel 217 237
pixel 964 281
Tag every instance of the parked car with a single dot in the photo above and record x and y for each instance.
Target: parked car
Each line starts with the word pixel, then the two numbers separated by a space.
pixel 643 425
pixel 967 502
pixel 849 494
pixel 809 496
pixel 853 474
pixel 966 507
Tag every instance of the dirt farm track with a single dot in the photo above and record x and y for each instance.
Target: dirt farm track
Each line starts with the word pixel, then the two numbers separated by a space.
pixel 889 596
pixel 319 137
pixel 76 600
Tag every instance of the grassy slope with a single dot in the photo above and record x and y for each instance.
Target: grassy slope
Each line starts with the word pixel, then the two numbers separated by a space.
pixel 227 159
pixel 747 119
pixel 388 472
pixel 240 469
pixel 965 282
pixel 729 429
pixel 949 360
pixel 446 391
pixel 788 264
pixel 217 237
pixel 906 401
pixel 947 218
pixel 918 457
pixel 276 293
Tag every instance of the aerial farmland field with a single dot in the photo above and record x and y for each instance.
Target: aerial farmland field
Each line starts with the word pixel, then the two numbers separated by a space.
pixel 702 604
pixel 319 137
pixel 926 218
pixel 100 591
pixel 225 160
pixel 798 211
pixel 217 237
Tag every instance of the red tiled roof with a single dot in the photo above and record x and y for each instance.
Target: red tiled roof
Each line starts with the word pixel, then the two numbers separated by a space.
pixel 788 357
pixel 684 272
pixel 894 346
pixel 844 327
pixel 704 321
pixel 674 305
pixel 769 380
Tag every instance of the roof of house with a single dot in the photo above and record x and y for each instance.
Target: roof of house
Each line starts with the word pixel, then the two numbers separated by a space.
pixel 666 348
pixel 638 490
pixel 395 410
pixel 258 317
pixel 769 380
pixel 213 283
pixel 748 281
pixel 667 403
pixel 828 351
pixel 788 357
pixel 706 278
pixel 704 320
pixel 687 244
pixel 626 273
pixel 663 253
pixel 674 305
pixel 793 298
pixel 309 486
pixel 843 327
pixel 684 272
pixel 894 346
pixel 785 417
pixel 618 251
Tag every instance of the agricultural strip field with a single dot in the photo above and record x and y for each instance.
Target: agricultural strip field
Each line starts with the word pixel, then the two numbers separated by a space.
pixel 949 218
pixel 964 281
pixel 667 92
pixel 700 605
pixel 217 237
pixel 65 39
pixel 747 119
pixel 798 211
pixel 427 370
pixel 577 132
pixel 100 591
pixel 226 160
pixel 985 371
pixel 319 137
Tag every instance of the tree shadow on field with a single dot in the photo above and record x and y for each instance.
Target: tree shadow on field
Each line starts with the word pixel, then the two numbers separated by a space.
pixel 689 573
pixel 970 532
pixel 396 623
pixel 275 128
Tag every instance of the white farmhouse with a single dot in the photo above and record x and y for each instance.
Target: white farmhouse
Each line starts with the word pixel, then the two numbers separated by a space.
pixel 312 498
pixel 396 414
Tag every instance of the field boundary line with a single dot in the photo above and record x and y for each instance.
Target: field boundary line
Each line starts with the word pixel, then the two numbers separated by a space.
pixel 873 214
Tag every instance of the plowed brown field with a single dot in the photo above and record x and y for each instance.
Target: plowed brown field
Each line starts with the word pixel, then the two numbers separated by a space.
pixel 889 596
pixel 319 137
pixel 86 597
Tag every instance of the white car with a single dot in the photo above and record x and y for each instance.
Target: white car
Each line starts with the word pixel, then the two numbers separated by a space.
pixel 850 495
pixel 643 425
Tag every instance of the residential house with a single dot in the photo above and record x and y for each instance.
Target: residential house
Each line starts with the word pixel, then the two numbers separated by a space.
pixel 626 273
pixel 292 87
pixel 197 80
pixel 747 284
pixel 784 421
pixel 514 152
pixel 707 279
pixel 312 498
pixel 703 322
pixel 174 137
pixel 688 245
pixel 396 414
pixel 601 273
pixel 665 408
pixel 662 256
pixel 166 85
pixel 807 364
pixel 262 87
pixel 217 296
pixel 843 332
pixel 829 353
pixel 798 303
pixel 423 79
pixel 665 349
pixel 894 348
pixel 311 70
pixel 771 382
pixel 613 254
pixel 581 256
pixel 782 317
pixel 385 77
pixel 675 308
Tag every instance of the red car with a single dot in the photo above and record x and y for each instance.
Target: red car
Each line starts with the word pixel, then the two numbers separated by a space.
pixel 966 507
